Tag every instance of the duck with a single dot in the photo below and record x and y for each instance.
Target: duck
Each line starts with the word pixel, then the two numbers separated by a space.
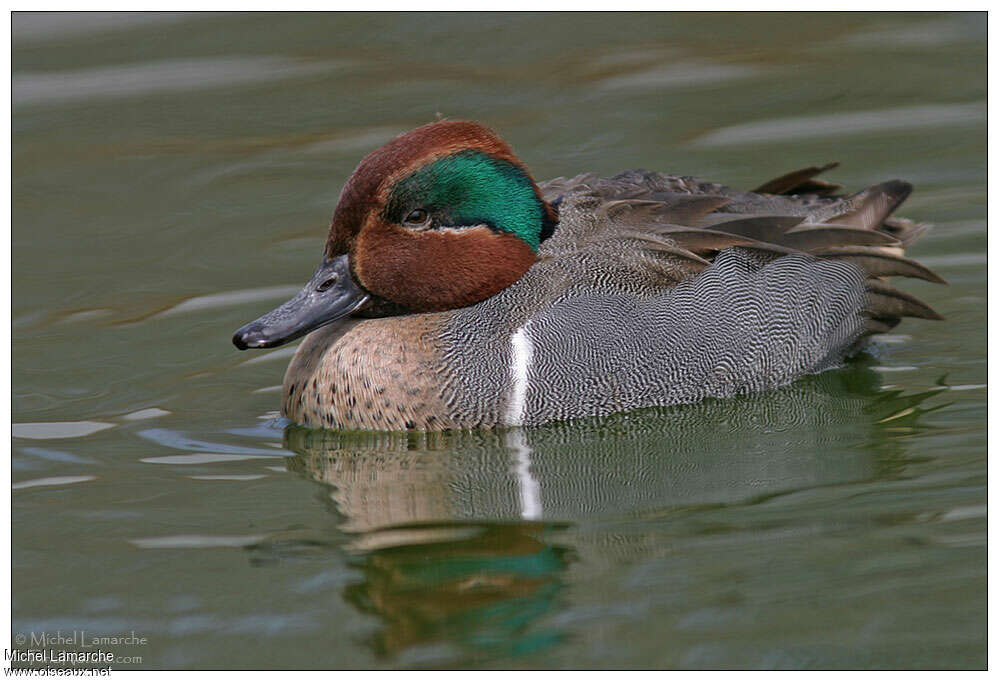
pixel 456 292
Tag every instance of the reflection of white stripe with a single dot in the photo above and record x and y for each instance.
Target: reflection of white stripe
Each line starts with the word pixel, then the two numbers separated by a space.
pixel 520 363
pixel 530 491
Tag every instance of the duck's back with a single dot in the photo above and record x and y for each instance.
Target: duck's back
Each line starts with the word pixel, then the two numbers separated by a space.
pixel 658 290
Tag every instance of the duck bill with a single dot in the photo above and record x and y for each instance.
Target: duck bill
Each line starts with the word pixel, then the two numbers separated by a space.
pixel 330 295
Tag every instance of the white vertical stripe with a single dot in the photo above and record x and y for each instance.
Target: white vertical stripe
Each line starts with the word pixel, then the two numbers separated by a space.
pixel 530 491
pixel 522 352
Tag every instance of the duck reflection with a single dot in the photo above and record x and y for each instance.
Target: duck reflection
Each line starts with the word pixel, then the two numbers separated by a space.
pixel 437 569
pixel 460 536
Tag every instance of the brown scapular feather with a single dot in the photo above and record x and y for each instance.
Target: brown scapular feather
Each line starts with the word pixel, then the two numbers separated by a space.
pixel 799 181
pixel 816 186
pixel 699 240
pixel 761 228
pixel 811 237
pixel 653 242
pixel 673 208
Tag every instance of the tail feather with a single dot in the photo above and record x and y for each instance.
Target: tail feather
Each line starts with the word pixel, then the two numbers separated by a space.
pixel 904 230
pixel 876 325
pixel 881 263
pixel 886 301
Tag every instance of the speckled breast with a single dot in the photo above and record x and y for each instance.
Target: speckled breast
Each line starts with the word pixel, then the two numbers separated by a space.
pixel 380 374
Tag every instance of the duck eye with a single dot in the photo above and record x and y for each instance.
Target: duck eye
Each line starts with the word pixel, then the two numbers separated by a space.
pixel 417 217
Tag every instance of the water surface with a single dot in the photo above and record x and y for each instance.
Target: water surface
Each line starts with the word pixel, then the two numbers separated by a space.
pixel 173 176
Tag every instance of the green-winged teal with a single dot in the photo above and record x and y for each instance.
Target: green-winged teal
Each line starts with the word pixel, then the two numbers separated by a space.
pixel 455 292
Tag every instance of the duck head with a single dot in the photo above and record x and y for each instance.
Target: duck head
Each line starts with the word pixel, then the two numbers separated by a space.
pixel 441 217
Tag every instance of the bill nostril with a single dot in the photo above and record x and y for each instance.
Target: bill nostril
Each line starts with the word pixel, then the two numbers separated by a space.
pixel 326 284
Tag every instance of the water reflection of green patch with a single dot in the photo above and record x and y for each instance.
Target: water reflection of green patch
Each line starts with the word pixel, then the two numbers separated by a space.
pixel 481 594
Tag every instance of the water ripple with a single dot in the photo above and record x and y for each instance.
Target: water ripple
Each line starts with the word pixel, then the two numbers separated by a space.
pixel 179 75
pixel 229 299
pixel 51 480
pixel 196 541
pixel 52 430
pixel 848 123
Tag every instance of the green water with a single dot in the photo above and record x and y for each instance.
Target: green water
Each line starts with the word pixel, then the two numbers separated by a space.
pixel 173 177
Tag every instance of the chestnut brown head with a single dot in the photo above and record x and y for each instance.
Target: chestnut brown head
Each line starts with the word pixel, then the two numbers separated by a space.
pixel 441 217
